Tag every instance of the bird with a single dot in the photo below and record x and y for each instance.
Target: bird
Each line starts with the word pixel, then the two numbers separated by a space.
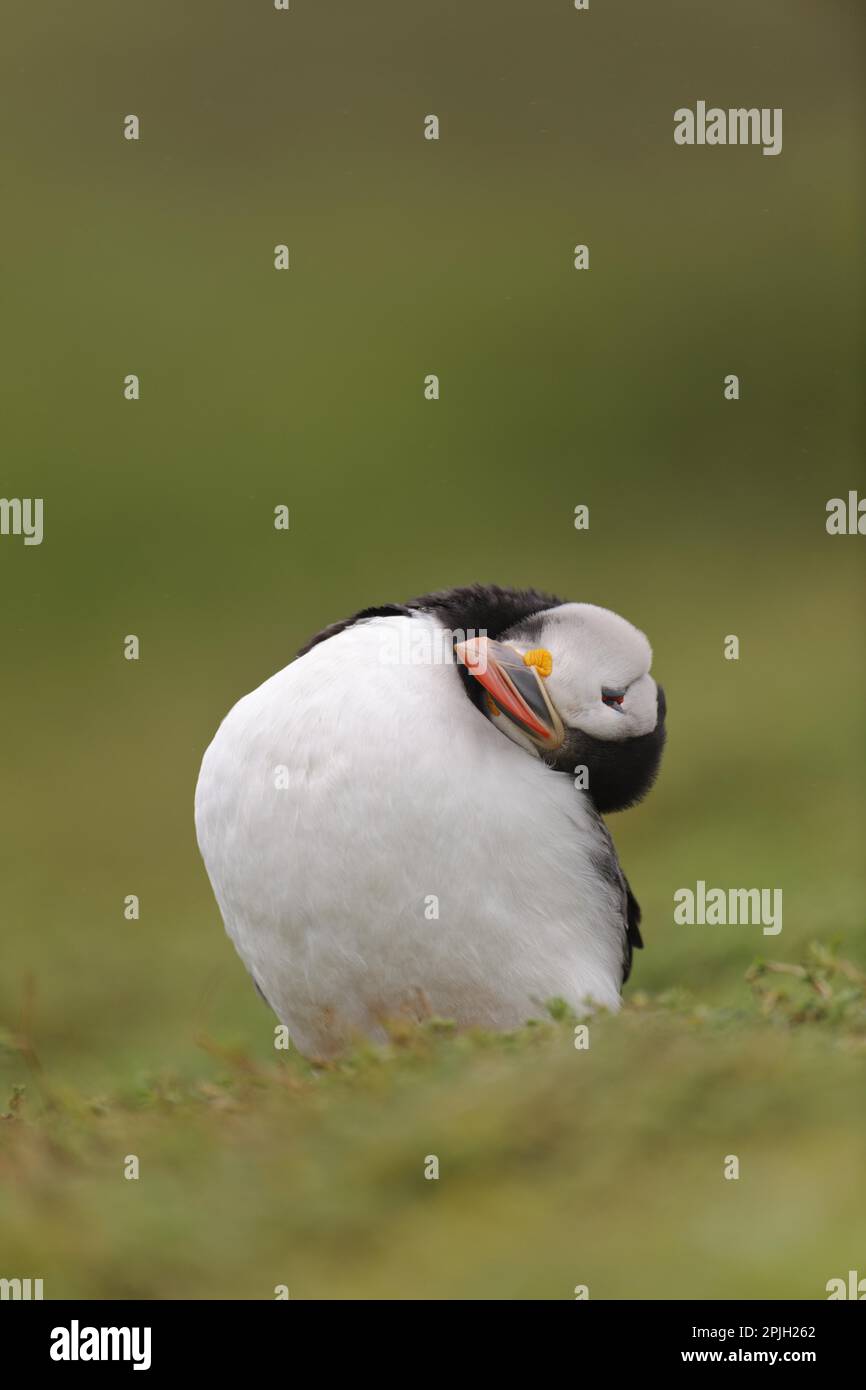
pixel 407 821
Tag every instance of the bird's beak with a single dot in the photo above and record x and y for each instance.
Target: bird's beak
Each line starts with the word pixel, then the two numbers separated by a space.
pixel 515 689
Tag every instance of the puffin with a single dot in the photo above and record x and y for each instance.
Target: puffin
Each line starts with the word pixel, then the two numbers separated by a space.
pixel 407 820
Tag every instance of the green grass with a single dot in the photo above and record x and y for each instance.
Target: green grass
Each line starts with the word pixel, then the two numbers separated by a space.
pixel 604 387
pixel 557 1166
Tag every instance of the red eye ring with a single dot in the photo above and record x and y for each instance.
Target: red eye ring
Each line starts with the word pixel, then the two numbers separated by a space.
pixel 612 697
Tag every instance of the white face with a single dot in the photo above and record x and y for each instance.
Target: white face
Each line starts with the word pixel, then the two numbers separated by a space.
pixel 598 657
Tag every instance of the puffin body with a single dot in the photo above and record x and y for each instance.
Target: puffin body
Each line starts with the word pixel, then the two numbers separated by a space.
pixel 387 830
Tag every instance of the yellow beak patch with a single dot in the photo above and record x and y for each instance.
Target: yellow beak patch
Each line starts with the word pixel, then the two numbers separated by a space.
pixel 541 659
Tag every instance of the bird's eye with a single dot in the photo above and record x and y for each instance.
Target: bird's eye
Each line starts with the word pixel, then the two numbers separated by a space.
pixel 612 697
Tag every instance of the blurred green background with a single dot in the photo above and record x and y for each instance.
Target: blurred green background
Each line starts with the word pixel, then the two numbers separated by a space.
pixel 306 388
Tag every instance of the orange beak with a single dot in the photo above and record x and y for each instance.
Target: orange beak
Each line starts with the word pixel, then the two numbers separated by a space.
pixel 515 688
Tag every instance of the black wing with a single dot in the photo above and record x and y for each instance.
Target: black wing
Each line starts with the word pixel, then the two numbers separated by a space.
pixel 609 867
pixel 633 938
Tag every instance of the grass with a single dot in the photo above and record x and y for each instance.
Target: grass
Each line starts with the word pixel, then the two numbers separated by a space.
pixel 558 1166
